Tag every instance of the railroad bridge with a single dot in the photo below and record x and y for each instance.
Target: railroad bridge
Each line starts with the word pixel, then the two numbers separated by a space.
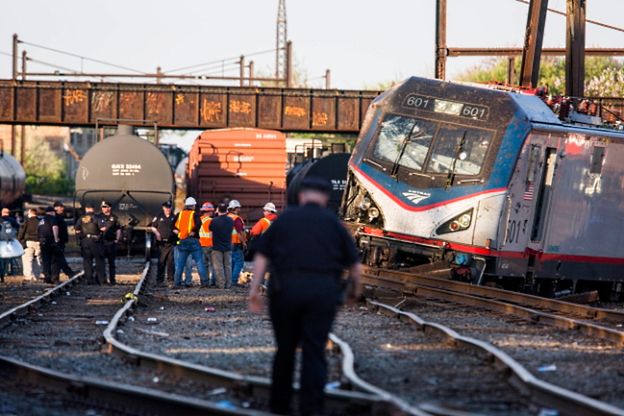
pixel 182 106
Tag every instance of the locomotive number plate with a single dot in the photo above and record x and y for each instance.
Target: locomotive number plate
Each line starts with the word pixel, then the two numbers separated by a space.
pixel 454 108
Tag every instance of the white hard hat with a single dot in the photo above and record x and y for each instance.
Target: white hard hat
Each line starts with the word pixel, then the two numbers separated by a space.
pixel 269 206
pixel 234 204
pixel 190 201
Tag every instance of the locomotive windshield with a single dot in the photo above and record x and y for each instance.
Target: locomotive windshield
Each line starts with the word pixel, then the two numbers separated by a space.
pixel 429 147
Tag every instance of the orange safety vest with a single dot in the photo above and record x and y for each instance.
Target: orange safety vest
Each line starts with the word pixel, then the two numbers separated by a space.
pixel 235 236
pixel 205 235
pixel 261 226
pixel 185 223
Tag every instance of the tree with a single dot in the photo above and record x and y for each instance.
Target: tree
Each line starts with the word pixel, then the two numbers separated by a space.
pixel 45 171
pixel 604 76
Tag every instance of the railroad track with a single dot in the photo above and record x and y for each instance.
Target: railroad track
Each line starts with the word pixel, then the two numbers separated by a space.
pixel 592 321
pixel 240 389
pixel 475 322
pixel 53 343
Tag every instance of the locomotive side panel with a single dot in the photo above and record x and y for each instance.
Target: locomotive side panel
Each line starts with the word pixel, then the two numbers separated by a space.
pixel 582 239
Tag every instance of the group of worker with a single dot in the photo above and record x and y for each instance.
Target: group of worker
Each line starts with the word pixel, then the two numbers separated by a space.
pixel 215 239
pixel 43 235
pixel 98 235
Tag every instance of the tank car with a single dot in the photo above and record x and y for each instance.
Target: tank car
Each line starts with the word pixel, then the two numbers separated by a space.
pixel 489 183
pixel 332 167
pixel 12 181
pixel 131 173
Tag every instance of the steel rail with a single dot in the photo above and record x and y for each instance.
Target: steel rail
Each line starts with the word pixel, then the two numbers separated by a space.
pixel 500 307
pixel 124 397
pixel 341 400
pixel 544 393
pixel 524 299
pixel 138 400
pixel 27 307
pixel 348 370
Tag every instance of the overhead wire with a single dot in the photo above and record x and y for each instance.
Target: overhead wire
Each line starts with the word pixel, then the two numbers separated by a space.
pixel 82 57
pixel 218 61
pixel 593 22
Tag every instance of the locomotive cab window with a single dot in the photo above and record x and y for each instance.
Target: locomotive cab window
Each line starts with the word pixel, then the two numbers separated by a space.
pixel 403 141
pixel 459 150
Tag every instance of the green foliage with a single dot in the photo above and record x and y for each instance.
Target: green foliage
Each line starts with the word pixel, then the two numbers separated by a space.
pixel 604 76
pixel 45 171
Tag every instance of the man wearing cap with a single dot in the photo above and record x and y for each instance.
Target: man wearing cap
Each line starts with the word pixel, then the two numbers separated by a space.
pixel 270 215
pixel 59 210
pixel 48 232
pixel 221 228
pixel 305 289
pixel 28 236
pixel 111 235
pixel 205 237
pixel 89 237
pixel 239 240
pixel 186 226
pixel 162 227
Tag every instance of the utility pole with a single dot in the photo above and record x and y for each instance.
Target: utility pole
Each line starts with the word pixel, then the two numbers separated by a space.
pixel 532 51
pixel 440 52
pixel 281 58
pixel 289 65
pixel 327 79
pixel 241 63
pixel 22 127
pixel 251 72
pixel 575 48
pixel 15 57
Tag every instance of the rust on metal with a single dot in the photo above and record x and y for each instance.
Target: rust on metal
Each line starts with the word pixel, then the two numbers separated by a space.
pixel 190 107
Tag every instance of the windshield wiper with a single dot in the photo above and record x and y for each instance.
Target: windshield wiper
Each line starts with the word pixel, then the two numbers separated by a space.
pixel 372 162
pixel 459 148
pixel 409 138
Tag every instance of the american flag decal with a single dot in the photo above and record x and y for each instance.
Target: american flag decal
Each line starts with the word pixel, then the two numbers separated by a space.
pixel 528 194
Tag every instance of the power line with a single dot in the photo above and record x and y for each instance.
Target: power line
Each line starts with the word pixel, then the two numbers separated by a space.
pixel 82 57
pixel 218 61
pixel 28 58
pixel 594 22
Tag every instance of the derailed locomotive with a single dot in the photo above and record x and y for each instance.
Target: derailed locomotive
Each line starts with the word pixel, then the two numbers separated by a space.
pixel 490 184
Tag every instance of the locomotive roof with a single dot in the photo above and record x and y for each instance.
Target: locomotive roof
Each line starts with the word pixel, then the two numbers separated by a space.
pixel 501 105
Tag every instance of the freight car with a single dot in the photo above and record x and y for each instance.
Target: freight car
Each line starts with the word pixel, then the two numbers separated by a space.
pixel 332 167
pixel 240 163
pixel 489 183
pixel 131 173
pixel 12 181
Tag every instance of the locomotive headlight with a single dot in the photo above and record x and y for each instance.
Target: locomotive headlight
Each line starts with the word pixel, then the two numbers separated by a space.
pixel 373 213
pixel 464 220
pixel 365 204
pixel 459 223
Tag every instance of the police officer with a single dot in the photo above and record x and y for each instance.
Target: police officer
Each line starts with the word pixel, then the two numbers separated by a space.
pixel 162 227
pixel 90 238
pixel 111 234
pixel 307 249
pixel 59 210
pixel 48 232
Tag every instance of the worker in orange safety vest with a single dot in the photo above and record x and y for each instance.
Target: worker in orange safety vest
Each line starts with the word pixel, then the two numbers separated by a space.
pixel 205 237
pixel 270 215
pixel 186 226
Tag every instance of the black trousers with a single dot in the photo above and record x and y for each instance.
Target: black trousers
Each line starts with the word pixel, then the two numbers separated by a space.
pixel 165 262
pixel 51 264
pixel 91 250
pixel 302 310
pixel 63 261
pixel 110 253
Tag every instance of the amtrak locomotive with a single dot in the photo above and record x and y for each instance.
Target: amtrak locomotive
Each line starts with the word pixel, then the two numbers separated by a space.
pixel 489 183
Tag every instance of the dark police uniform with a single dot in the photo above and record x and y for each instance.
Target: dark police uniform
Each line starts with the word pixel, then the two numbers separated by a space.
pixel 166 246
pixel 307 248
pixel 90 238
pixel 63 240
pixel 49 249
pixel 111 225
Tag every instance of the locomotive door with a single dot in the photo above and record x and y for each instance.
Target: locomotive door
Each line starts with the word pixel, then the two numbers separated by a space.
pixel 543 197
